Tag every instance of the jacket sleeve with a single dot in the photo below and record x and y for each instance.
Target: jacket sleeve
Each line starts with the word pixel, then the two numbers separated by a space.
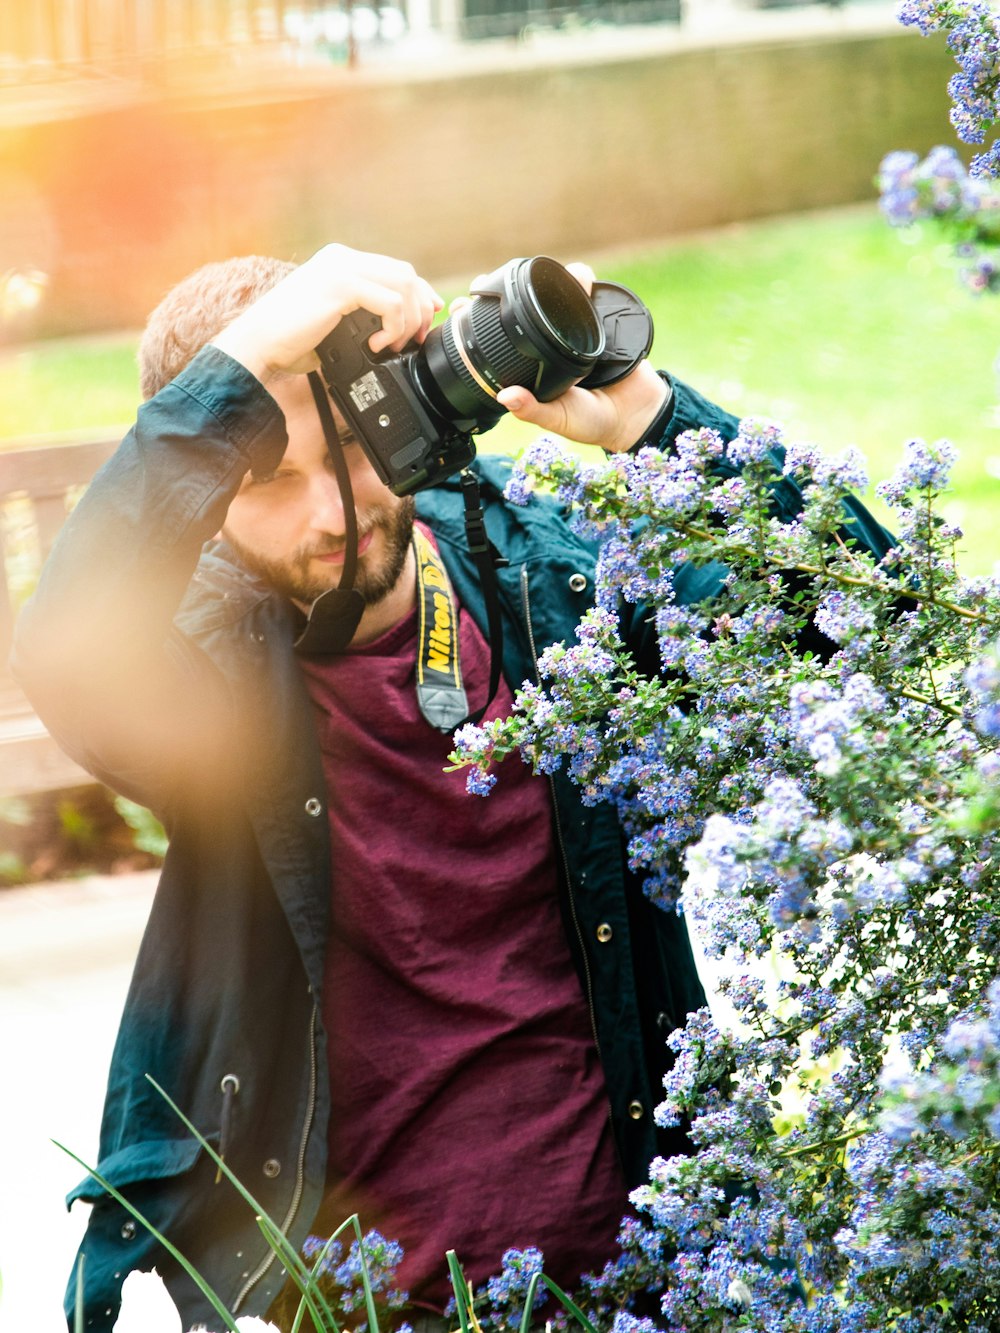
pixel 95 648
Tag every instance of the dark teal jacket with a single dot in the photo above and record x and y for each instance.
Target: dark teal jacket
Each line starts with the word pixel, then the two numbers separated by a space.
pixel 168 671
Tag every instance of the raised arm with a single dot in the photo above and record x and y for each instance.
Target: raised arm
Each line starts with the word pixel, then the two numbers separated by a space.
pixel 120 686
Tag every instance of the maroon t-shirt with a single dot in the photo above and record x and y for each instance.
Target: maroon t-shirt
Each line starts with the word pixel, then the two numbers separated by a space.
pixel 469 1110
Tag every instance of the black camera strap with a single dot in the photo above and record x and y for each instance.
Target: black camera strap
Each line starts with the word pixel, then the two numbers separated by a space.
pixel 487 561
pixel 335 615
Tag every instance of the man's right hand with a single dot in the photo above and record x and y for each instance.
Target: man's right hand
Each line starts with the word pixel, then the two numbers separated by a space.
pixel 278 334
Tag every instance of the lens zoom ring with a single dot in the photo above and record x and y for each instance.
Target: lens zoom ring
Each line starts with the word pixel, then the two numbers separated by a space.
pixel 458 366
pixel 507 364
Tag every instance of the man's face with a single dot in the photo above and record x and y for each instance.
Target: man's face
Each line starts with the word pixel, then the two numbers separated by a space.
pixel 289 527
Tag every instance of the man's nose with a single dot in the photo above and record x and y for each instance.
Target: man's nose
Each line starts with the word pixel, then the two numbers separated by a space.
pixel 326 505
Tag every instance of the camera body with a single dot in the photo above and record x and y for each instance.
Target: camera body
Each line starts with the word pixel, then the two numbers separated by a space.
pixel 529 323
pixel 409 444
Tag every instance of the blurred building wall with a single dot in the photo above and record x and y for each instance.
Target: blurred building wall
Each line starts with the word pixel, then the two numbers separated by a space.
pixel 456 172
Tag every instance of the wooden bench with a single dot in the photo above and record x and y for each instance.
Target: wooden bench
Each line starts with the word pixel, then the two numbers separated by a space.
pixel 40 480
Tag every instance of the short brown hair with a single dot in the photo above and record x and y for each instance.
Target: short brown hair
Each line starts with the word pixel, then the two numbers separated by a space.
pixel 198 308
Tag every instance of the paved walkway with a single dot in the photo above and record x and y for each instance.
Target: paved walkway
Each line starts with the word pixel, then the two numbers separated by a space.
pixel 66 954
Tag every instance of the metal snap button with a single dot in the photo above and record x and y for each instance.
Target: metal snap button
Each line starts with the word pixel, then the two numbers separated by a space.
pixel 636 1110
pixel 128 1230
pixel 272 1168
pixel 577 582
pixel 314 807
pixel 604 932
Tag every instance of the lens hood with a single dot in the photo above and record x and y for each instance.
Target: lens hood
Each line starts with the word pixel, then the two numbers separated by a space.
pixel 547 310
pixel 542 306
pixel 545 317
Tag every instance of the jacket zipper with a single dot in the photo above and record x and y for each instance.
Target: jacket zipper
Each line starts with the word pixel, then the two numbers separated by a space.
pixel 300 1166
pixel 560 843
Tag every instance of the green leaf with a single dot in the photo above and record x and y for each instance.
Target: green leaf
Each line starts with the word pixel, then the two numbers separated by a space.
pixel 320 1258
pixel 150 835
pixel 78 1308
pixel 568 1304
pixel 365 1275
pixel 171 1249
pixel 463 1294
pixel 312 1298
pixel 285 1251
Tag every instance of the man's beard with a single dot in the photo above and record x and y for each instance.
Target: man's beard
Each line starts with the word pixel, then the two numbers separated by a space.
pixel 293 578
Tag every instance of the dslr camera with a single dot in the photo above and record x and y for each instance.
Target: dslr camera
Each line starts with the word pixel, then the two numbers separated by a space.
pixel 528 323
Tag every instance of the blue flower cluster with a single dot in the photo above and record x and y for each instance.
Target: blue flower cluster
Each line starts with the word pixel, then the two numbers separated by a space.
pixel 500 1303
pixel 926 1220
pixel 983 680
pixel 974 38
pixel 340 1276
pixel 938 186
pixel 925 468
pixel 939 189
pixel 960 1094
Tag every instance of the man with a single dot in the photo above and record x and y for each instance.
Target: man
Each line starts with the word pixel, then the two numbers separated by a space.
pixel 369 991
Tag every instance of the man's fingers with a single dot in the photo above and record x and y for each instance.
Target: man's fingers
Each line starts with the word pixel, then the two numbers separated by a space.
pixel 523 404
pixel 584 275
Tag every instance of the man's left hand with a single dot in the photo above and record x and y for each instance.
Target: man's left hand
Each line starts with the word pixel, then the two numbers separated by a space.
pixel 614 418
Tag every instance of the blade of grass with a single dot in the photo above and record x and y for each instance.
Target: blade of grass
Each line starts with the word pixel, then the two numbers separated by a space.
pixel 317 1262
pixel 312 1298
pixel 463 1294
pixel 529 1303
pixel 569 1304
pixel 171 1249
pixel 565 1301
pixel 365 1275
pixel 285 1251
pixel 354 1222
pixel 78 1312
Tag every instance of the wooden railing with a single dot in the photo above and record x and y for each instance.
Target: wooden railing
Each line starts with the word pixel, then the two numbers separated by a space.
pixel 39 483
pixel 119 39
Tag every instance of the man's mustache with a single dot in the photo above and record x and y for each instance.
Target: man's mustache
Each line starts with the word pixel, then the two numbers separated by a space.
pixel 336 545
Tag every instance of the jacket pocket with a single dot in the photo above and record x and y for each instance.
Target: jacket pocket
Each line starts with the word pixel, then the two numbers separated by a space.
pixel 155 1159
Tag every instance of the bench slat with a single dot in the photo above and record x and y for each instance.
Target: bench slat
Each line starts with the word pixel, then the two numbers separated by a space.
pixel 44 473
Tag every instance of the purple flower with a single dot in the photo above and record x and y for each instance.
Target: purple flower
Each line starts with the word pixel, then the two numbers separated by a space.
pixel 925 467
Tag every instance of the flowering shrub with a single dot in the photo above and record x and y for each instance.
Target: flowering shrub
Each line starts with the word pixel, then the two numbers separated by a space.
pixel 940 190
pixel 830 797
pixel 965 204
pixel 973 32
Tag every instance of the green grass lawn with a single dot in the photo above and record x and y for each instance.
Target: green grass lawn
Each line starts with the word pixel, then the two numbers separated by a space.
pixel 842 329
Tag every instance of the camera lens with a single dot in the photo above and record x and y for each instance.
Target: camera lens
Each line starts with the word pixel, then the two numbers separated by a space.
pixel 535 327
pixel 562 308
